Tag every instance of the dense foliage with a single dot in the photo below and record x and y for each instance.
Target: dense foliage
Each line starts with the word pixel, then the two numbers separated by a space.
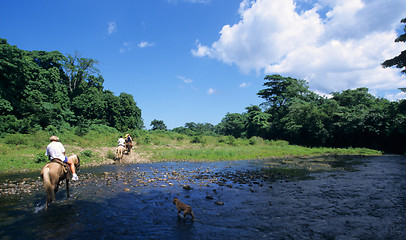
pixel 47 90
pixel 400 60
pixel 352 118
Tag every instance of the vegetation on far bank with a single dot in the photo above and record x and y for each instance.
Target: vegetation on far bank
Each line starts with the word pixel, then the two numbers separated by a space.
pixel 46 93
pixel 19 152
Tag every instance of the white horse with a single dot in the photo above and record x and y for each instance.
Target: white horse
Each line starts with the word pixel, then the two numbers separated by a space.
pixel 119 153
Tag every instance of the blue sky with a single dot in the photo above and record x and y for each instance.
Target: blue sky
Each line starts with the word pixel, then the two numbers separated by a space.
pixel 196 60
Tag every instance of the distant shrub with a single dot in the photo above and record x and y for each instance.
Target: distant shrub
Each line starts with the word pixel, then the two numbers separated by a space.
pixel 40 157
pixel 87 153
pixel 52 130
pixel 256 140
pixel 252 141
pixel 199 139
pixel 100 128
pixel 110 155
pixel 147 139
pixel 180 137
pixel 280 143
pixel 231 140
pixel 15 140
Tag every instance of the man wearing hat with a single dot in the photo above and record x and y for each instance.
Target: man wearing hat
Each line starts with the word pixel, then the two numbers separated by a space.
pixel 56 150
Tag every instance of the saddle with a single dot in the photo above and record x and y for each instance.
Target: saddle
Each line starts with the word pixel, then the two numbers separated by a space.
pixel 65 166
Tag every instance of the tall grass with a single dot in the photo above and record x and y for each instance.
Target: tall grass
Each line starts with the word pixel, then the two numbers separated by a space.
pixel 245 151
pixel 209 148
pixel 26 151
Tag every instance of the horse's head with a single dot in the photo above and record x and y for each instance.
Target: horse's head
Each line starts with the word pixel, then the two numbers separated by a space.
pixel 77 164
pixel 76 160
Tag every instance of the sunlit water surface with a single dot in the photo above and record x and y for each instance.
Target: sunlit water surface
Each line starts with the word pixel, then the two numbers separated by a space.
pixel 135 202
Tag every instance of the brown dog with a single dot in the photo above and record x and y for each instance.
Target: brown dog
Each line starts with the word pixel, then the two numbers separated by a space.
pixel 187 210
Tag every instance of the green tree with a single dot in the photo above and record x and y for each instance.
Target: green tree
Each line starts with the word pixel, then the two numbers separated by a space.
pixel 258 122
pixel 233 124
pixel 280 91
pixel 361 120
pixel 158 125
pixel 78 70
pixel 400 60
pixel 40 89
pixel 91 104
pixel 129 113
pixel 304 124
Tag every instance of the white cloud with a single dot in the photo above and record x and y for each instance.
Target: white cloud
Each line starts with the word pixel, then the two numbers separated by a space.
pixel 244 5
pixel 395 96
pixel 112 27
pixel 144 44
pixel 338 50
pixel 201 50
pixel 126 47
pixel 185 80
pixel 244 85
pixel 211 91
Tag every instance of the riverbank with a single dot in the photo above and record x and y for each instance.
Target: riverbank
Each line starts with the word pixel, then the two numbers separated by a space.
pixel 22 153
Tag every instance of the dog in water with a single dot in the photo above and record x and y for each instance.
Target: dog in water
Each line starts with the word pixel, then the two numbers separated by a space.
pixel 187 210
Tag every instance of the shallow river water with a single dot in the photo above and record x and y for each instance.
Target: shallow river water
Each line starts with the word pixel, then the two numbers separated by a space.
pixel 231 200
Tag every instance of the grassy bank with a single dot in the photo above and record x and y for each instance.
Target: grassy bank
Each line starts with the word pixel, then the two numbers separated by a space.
pixel 20 152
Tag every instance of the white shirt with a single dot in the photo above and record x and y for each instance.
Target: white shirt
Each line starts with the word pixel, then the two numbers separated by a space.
pixel 121 142
pixel 55 150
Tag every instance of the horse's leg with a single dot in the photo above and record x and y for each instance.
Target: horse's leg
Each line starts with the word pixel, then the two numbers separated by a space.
pixel 50 196
pixel 49 187
pixel 56 187
pixel 67 188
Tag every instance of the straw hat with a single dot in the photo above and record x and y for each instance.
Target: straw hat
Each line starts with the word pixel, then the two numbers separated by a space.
pixel 54 138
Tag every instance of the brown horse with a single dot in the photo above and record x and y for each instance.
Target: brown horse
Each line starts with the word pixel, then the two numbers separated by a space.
pixel 128 146
pixel 119 153
pixel 53 173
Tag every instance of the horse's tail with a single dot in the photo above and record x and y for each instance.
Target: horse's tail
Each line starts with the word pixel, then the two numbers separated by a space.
pixel 48 186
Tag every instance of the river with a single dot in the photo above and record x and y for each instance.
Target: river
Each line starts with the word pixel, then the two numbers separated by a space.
pixel 231 200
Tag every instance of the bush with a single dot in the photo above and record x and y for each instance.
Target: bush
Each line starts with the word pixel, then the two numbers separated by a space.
pixel 231 140
pixel 87 153
pixel 180 137
pixel 199 139
pixel 252 141
pixel 102 129
pixel 52 130
pixel 15 140
pixel 110 154
pixel 40 157
pixel 147 139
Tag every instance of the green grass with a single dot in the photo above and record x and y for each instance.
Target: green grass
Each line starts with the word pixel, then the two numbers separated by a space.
pixel 240 152
pixel 20 152
pixel 27 151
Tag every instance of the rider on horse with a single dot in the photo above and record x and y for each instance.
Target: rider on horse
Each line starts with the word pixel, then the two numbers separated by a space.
pixel 128 138
pixel 121 141
pixel 128 142
pixel 55 150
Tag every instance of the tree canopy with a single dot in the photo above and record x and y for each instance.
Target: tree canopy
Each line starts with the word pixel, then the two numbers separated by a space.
pixel 158 125
pixel 400 60
pixel 351 118
pixel 40 89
